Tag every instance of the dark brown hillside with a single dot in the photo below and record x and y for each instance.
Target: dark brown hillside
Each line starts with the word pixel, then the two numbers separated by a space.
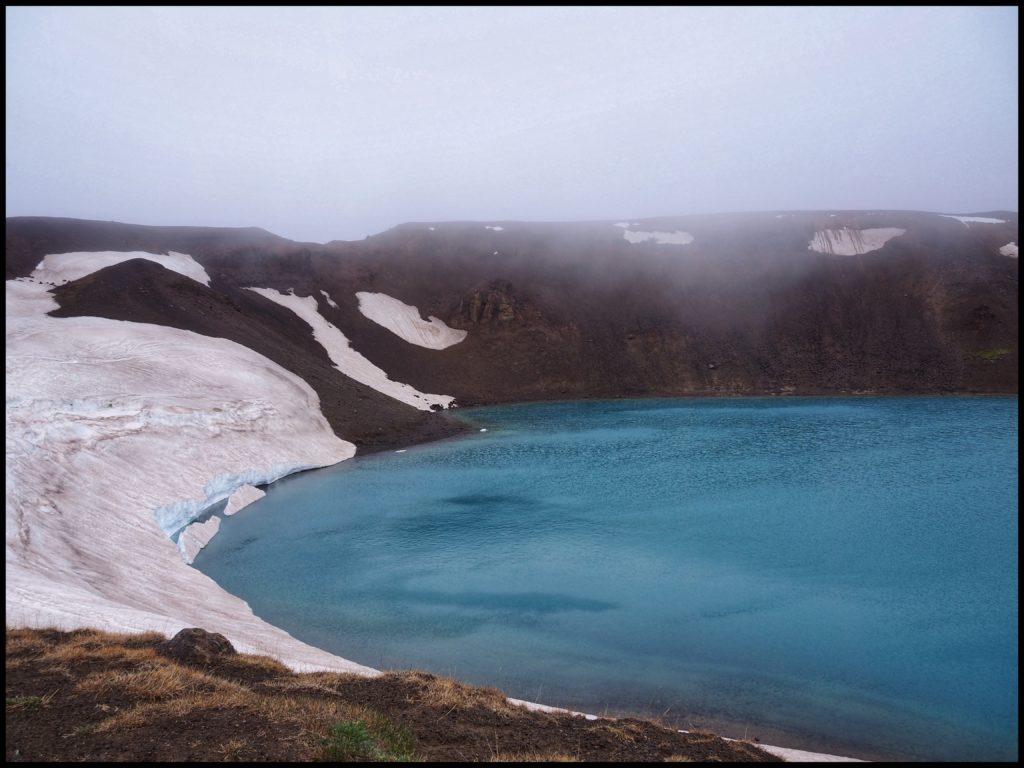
pixel 574 310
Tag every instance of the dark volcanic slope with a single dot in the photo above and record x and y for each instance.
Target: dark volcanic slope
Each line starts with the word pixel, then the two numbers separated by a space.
pixel 565 311
pixel 146 292
pixel 575 310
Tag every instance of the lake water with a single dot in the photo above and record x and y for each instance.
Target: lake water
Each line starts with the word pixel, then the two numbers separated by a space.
pixel 829 574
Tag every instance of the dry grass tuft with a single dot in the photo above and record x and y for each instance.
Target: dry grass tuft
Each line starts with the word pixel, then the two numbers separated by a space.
pixel 74 654
pixel 25 642
pixel 154 682
pixel 16 703
pixel 533 757
pixel 183 707
pixel 446 693
pixel 300 686
pixel 701 737
pixel 265 664
pixel 233 751
pixel 627 733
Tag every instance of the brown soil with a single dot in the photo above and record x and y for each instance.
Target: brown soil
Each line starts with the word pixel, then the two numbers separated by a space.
pixel 93 696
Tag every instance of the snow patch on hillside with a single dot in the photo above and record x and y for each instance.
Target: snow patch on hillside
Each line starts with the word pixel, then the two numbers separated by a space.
pixel 496 229
pixel 109 421
pixel 405 322
pixel 1010 249
pixel 330 301
pixel 346 359
pixel 968 220
pixel 677 237
pixel 60 268
pixel 852 242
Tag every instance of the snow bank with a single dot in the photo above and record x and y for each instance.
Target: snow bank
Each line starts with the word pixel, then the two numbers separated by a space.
pixel 968 220
pixel 852 242
pixel 242 498
pixel 346 359
pixel 1010 249
pixel 405 322
pixel 802 756
pixel 661 238
pixel 60 268
pixel 108 421
pixel 330 301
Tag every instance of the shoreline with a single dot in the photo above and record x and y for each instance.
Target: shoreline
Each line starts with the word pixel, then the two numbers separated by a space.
pixel 791 754
pixel 465 414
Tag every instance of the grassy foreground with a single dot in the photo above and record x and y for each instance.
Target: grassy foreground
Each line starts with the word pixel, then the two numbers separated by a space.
pixel 90 695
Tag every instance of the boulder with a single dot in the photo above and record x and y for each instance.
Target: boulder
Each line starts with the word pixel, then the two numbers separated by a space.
pixel 196 646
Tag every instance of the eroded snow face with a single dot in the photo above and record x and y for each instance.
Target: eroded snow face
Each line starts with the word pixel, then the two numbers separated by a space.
pixel 60 268
pixel 968 220
pixel 678 237
pixel 242 498
pixel 346 359
pixel 195 537
pixel 108 421
pixel 1010 249
pixel 405 322
pixel 852 242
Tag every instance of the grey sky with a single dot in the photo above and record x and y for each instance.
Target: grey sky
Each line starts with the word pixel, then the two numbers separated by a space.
pixel 324 123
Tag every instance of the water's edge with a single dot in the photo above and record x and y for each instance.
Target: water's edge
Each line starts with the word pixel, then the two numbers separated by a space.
pixel 475 424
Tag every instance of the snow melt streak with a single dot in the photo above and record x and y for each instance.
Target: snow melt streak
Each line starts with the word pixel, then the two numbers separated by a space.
pixel 330 301
pixel 968 220
pixel 852 242
pixel 346 359
pixel 405 322
pixel 661 238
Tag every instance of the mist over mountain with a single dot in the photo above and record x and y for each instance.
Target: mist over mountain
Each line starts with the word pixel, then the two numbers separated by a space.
pixel 840 302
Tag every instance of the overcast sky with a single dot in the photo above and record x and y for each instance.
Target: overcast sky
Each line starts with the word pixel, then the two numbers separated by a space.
pixel 335 123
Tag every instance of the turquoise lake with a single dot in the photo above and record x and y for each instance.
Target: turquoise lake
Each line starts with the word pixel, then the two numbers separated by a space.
pixel 833 574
